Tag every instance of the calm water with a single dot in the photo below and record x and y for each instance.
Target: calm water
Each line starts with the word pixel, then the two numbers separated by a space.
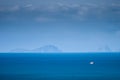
pixel 73 66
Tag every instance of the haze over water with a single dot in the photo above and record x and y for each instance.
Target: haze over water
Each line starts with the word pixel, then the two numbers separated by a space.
pixel 59 39
pixel 73 26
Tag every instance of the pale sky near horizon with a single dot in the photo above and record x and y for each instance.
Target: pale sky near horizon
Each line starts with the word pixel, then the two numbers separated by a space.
pixel 71 25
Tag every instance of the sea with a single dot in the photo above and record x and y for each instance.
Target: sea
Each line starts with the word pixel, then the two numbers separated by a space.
pixel 60 66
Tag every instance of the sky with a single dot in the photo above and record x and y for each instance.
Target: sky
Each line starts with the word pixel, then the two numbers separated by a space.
pixel 71 25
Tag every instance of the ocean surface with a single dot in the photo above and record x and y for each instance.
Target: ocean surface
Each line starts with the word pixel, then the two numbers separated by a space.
pixel 60 66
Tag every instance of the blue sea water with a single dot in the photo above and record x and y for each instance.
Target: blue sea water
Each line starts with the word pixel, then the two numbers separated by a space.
pixel 59 66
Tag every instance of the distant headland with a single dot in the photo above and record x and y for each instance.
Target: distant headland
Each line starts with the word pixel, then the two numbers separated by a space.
pixel 43 49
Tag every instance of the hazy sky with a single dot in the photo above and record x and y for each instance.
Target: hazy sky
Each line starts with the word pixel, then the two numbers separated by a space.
pixel 72 25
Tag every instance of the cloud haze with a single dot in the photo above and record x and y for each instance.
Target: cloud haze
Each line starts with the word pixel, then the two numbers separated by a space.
pixel 74 26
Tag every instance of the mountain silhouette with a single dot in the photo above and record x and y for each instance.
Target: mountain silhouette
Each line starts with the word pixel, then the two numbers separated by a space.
pixel 105 49
pixel 43 49
pixel 19 50
pixel 47 48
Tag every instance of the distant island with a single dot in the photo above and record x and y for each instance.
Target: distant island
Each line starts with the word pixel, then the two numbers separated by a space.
pixel 43 49
pixel 105 49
